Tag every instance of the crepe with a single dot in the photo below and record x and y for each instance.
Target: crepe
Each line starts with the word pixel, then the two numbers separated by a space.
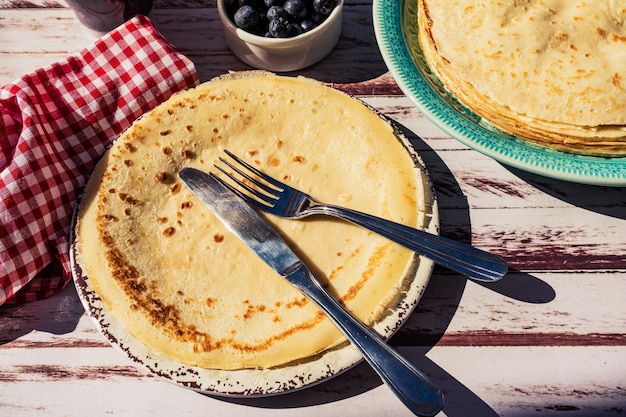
pixel 549 71
pixel 186 287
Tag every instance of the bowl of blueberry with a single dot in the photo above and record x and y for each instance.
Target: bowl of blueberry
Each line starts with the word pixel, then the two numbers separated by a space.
pixel 281 35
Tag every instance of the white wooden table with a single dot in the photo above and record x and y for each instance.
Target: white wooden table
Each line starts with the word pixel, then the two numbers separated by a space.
pixel 548 340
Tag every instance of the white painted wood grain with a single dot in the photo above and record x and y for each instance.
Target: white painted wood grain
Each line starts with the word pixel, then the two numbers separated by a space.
pixel 547 341
pixel 196 32
pixel 477 381
pixel 581 304
pixel 540 381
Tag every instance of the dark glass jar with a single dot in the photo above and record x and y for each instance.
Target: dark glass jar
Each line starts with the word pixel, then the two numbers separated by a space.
pixel 101 16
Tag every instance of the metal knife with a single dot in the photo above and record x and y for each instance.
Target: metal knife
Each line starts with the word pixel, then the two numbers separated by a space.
pixel 413 388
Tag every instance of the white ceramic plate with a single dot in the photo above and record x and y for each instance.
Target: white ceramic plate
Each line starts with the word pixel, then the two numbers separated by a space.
pixel 250 382
pixel 395 24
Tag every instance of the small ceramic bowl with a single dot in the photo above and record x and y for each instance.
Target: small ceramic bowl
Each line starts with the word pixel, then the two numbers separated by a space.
pixel 282 54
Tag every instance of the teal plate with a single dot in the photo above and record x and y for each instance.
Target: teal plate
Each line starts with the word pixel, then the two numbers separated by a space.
pixel 395 24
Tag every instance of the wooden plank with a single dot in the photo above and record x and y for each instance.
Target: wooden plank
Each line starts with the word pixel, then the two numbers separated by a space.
pixel 355 65
pixel 477 381
pixel 48 4
pixel 549 239
pixel 30 4
pixel 540 309
pixel 531 381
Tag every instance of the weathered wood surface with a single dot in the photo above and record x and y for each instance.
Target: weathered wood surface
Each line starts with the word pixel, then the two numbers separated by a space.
pixel 549 340
pixel 355 65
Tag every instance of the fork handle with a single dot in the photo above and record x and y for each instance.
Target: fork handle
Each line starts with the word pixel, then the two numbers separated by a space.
pixel 457 256
pixel 411 386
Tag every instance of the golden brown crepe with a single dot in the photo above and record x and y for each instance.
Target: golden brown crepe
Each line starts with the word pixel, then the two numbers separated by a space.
pixel 550 71
pixel 183 284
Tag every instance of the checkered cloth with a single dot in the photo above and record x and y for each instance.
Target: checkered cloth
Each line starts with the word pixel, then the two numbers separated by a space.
pixel 55 123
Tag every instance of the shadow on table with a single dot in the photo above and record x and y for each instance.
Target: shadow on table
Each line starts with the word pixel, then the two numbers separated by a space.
pixel 459 400
pixel 610 201
pixel 523 287
pixel 517 285
pixel 58 314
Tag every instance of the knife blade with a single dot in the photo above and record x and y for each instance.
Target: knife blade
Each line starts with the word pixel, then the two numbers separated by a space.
pixel 411 386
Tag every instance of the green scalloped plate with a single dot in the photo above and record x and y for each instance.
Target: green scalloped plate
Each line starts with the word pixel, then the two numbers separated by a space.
pixel 395 24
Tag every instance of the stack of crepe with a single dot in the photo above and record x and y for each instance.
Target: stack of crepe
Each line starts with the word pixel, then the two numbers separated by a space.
pixel 549 71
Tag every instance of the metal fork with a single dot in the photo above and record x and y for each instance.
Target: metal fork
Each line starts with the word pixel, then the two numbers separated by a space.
pixel 284 201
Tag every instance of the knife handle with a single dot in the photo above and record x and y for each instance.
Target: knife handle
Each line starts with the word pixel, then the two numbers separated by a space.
pixel 411 386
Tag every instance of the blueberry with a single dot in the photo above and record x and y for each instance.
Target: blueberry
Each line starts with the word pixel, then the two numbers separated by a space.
pixel 324 7
pixel 307 25
pixel 279 28
pixel 247 18
pixel 292 17
pixel 275 12
pixel 295 29
pixel 297 9
pixel 270 3
pixel 317 18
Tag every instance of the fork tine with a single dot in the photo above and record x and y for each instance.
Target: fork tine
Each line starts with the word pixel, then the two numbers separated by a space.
pixel 246 197
pixel 262 175
pixel 247 176
pixel 265 198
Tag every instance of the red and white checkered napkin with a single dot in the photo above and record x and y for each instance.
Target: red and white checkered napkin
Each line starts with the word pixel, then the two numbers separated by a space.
pixel 55 123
